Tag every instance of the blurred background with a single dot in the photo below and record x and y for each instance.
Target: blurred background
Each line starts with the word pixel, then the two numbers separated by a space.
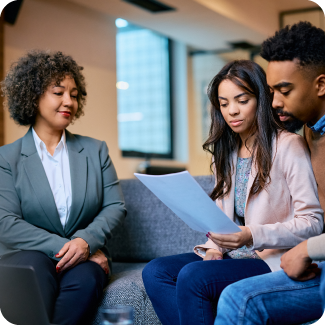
pixel 147 66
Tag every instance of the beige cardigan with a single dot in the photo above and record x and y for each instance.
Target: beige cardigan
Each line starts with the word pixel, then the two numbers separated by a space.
pixel 287 212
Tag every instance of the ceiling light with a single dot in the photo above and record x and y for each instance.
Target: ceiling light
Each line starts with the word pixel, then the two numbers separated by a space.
pixel 120 23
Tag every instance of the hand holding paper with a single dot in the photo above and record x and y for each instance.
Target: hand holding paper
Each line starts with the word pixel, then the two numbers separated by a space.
pixel 185 197
pixel 233 241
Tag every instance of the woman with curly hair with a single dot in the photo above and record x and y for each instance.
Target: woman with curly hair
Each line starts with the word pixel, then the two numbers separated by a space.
pixel 263 181
pixel 59 195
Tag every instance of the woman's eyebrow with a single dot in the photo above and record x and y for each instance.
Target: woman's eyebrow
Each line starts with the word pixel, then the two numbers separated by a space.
pixel 240 95
pixel 234 97
pixel 59 86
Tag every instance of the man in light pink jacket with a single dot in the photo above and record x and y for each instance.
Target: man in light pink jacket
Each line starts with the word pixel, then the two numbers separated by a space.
pixel 296 76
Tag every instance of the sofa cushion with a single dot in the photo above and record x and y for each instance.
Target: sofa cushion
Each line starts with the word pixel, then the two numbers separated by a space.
pixel 126 288
pixel 151 229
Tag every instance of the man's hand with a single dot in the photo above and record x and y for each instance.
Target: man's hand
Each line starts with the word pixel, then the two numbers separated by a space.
pixel 100 258
pixel 233 241
pixel 73 252
pixel 297 264
pixel 212 254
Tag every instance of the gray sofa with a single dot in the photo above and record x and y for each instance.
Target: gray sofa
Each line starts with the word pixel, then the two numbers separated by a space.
pixel 150 230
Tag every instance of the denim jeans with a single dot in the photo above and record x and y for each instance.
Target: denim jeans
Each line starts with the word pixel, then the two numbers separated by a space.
pixel 272 298
pixel 182 287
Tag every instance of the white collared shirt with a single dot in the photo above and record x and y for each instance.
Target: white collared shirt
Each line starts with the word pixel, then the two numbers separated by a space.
pixel 57 169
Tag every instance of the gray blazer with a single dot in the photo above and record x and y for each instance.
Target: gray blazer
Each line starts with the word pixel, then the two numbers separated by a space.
pixel 29 219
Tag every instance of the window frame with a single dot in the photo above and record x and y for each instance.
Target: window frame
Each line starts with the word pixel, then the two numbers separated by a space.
pixel 282 14
pixel 170 154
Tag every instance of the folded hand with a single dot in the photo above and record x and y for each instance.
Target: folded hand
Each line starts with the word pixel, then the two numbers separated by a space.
pixel 100 258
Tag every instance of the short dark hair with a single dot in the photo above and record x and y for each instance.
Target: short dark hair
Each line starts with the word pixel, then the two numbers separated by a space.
pixel 301 41
pixel 31 75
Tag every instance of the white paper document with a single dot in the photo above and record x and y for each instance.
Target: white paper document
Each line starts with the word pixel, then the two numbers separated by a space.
pixel 186 198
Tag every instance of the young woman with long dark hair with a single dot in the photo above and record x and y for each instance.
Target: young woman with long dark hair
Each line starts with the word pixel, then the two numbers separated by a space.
pixel 264 182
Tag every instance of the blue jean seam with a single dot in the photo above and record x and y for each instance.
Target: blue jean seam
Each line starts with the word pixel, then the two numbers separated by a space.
pixel 249 296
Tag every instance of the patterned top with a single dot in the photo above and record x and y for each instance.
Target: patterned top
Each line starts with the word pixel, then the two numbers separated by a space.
pixel 243 170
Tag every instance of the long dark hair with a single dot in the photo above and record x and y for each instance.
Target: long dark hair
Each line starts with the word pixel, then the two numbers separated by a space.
pixel 222 141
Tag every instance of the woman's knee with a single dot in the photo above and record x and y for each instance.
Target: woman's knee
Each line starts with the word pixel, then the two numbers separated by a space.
pixel 190 277
pixel 86 278
pixel 158 272
pixel 92 273
pixel 151 272
pixel 156 268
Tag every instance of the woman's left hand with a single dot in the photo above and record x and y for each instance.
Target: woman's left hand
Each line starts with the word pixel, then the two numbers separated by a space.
pixel 233 241
pixel 100 258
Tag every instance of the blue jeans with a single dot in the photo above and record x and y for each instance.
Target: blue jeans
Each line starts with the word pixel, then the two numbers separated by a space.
pixel 182 287
pixel 272 299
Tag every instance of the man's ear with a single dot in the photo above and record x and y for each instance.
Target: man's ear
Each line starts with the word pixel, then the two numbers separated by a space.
pixel 320 85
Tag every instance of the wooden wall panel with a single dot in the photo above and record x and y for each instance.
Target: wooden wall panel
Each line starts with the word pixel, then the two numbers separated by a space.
pixel 1 78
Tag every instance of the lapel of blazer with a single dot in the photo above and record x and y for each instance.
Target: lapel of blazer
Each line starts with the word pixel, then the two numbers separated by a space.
pixel 253 173
pixel 78 173
pixel 37 177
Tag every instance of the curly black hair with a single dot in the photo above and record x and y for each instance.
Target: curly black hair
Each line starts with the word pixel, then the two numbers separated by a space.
pixel 31 75
pixel 301 41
